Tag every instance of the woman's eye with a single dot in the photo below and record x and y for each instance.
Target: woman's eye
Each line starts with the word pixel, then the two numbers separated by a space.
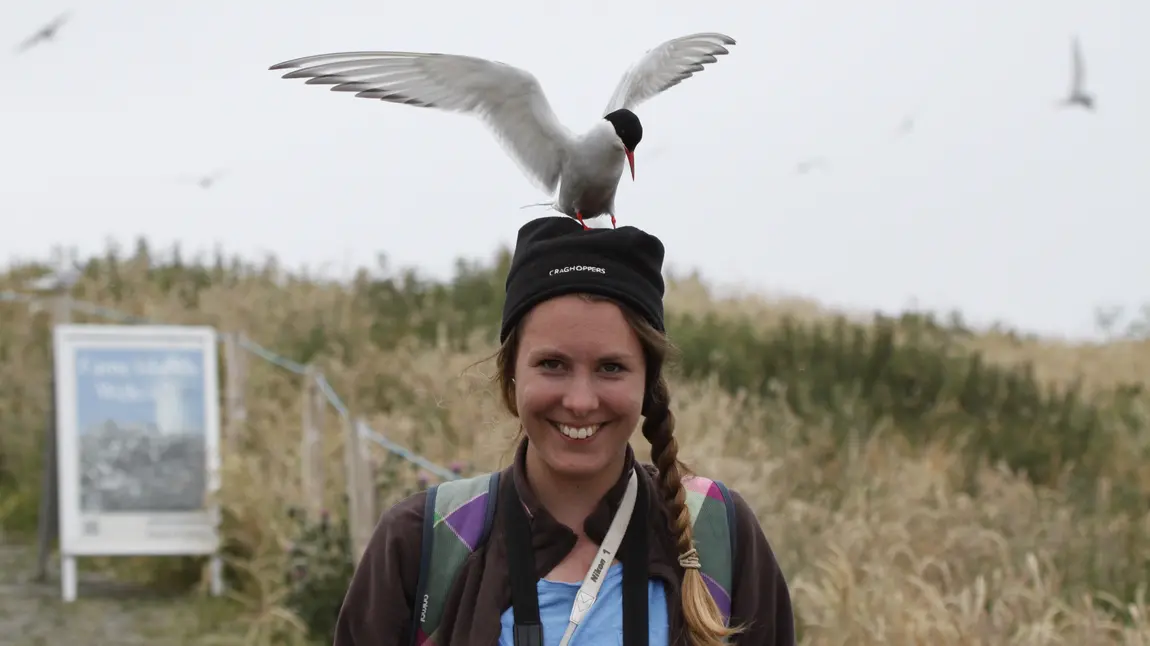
pixel 550 364
pixel 612 367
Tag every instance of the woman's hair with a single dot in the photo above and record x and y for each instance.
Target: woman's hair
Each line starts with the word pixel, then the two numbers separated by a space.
pixel 704 622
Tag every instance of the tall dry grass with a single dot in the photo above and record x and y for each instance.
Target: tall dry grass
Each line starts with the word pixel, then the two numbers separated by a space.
pixel 882 542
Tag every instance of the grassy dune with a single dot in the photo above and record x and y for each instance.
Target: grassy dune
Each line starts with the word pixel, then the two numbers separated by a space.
pixel 922 484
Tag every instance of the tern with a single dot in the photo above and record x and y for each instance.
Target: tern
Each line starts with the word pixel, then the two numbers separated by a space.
pixel 807 165
pixel 1078 94
pixel 44 34
pixel 205 181
pixel 584 168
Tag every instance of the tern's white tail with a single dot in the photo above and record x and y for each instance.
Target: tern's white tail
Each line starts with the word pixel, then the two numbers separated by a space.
pixel 537 204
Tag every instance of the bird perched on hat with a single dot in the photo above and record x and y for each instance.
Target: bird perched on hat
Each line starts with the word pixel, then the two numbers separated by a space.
pixel 585 169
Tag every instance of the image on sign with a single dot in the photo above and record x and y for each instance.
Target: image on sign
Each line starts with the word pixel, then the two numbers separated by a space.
pixel 142 430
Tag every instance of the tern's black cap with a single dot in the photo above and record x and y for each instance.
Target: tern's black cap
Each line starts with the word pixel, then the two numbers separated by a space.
pixel 555 256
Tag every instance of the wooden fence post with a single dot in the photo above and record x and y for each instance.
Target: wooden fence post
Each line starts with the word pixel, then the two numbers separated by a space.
pixel 360 484
pixel 368 500
pixel 235 367
pixel 311 445
pixel 352 461
pixel 319 466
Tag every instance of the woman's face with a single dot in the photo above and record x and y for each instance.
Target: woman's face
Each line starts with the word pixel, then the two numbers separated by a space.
pixel 579 380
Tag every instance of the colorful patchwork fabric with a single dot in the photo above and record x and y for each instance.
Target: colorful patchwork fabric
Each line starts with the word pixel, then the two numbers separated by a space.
pixel 457 519
pixel 712 520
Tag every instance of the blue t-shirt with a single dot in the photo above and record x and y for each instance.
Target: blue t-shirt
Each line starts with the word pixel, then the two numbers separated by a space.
pixel 603 625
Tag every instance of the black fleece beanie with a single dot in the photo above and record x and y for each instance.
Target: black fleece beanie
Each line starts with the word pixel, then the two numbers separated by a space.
pixel 555 255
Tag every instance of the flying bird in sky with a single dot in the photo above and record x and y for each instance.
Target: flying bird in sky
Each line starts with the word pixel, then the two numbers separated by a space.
pixel 906 126
pixel 1078 94
pixel 45 34
pixel 584 168
pixel 807 165
pixel 205 181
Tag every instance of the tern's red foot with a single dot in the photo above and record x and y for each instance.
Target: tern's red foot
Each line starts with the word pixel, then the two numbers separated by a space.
pixel 613 222
pixel 579 216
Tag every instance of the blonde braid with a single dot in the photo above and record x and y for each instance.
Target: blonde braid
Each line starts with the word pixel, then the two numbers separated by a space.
pixel 704 622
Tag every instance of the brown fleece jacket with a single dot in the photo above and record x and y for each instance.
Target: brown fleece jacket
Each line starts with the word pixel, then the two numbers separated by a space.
pixel 377 609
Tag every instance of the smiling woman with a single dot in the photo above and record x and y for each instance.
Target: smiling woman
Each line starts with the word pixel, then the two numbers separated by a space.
pixel 577 389
pixel 576 542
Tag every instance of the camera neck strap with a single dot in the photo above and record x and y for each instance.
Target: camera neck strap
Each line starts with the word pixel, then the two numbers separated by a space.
pixel 528 629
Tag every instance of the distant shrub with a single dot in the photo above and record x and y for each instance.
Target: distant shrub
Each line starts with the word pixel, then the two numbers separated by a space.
pixel 916 377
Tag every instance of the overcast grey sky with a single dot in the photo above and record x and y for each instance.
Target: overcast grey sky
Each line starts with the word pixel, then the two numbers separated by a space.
pixel 997 203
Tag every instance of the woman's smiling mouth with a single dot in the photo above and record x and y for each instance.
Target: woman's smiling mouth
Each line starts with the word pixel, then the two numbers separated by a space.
pixel 585 432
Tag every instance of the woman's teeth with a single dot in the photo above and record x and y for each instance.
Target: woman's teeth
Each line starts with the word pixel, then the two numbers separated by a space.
pixel 578 432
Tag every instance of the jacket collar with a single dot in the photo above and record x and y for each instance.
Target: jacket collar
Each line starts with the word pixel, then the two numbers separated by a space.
pixel 552 541
pixel 545 528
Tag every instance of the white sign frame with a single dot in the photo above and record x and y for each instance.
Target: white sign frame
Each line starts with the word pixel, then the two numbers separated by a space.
pixel 126 531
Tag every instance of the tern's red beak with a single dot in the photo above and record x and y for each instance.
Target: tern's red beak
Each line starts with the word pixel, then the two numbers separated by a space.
pixel 631 163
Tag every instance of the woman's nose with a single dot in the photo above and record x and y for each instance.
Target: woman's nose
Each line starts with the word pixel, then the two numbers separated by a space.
pixel 580 397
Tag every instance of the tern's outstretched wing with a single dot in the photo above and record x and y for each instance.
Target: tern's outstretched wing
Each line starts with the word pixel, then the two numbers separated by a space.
pixel 666 66
pixel 509 100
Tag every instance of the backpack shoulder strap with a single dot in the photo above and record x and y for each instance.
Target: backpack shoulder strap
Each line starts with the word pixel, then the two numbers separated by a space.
pixel 457 518
pixel 713 522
